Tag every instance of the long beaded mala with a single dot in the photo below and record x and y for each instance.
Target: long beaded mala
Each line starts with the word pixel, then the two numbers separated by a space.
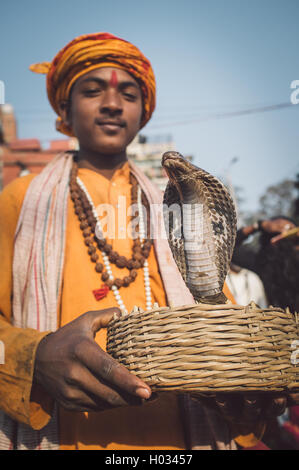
pixel 94 240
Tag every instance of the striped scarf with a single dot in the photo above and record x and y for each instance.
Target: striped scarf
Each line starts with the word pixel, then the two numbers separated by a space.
pixel 37 282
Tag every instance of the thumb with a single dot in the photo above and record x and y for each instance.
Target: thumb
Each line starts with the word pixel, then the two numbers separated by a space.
pixel 100 318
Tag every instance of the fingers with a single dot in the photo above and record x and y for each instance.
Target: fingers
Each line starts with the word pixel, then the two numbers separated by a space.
pixel 84 392
pixel 229 405
pixel 77 400
pixel 276 239
pixel 276 407
pixel 289 233
pixel 249 408
pixel 277 225
pixel 100 318
pixel 252 407
pixel 106 369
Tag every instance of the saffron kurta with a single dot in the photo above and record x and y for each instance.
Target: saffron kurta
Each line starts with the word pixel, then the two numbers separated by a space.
pixel 156 424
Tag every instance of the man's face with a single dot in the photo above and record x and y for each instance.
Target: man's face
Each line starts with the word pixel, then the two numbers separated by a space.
pixel 105 110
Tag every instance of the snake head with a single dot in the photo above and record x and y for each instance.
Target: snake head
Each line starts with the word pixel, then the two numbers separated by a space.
pixel 177 166
pixel 179 170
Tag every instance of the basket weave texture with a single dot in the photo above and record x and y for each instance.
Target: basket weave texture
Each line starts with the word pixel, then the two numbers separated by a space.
pixel 209 348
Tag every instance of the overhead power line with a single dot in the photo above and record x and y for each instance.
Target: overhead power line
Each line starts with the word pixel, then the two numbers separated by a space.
pixel 231 114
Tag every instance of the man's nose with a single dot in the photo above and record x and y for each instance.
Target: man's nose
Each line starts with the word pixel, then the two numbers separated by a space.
pixel 111 102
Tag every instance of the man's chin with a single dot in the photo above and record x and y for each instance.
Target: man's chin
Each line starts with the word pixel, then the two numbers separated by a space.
pixel 111 150
pixel 104 148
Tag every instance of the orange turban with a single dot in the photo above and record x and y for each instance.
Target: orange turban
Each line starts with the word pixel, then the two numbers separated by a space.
pixel 89 52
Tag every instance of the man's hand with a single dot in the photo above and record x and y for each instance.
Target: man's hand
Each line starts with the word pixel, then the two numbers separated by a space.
pixel 277 226
pixel 248 408
pixel 78 374
pixel 282 228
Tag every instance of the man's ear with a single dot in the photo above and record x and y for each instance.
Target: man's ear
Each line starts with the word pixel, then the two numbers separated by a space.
pixel 64 112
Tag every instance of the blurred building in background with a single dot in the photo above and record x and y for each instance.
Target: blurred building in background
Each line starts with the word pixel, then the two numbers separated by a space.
pixel 147 152
pixel 19 157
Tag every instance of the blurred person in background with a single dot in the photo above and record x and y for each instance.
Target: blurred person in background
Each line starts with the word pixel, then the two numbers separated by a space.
pixel 246 286
pixel 274 257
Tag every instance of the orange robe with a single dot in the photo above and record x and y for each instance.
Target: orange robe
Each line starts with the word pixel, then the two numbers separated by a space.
pixel 156 424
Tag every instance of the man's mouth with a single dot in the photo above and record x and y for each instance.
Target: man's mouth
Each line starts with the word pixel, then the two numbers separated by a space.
pixel 110 125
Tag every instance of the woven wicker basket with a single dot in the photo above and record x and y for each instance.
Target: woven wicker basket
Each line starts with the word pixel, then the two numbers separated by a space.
pixel 209 348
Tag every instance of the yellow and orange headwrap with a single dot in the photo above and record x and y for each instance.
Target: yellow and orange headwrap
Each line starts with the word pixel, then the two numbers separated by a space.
pixel 89 52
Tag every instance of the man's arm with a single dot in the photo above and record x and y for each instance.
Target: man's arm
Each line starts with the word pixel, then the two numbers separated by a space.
pixel 16 372
pixel 273 226
pixel 245 254
pixel 18 346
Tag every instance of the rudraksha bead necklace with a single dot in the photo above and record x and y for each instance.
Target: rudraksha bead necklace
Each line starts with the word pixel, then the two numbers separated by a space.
pixel 94 240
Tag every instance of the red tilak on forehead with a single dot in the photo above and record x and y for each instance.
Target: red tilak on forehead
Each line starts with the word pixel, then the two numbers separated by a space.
pixel 113 80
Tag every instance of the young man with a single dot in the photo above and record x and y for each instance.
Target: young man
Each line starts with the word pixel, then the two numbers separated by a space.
pixel 60 285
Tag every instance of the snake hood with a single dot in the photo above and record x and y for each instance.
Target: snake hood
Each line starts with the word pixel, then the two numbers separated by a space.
pixel 200 221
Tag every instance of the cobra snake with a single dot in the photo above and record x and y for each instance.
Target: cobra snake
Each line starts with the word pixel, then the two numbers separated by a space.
pixel 200 221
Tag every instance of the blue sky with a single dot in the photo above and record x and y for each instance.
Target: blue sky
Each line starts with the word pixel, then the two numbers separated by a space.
pixel 209 57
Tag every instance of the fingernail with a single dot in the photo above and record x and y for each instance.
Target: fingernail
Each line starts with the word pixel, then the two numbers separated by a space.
pixel 143 393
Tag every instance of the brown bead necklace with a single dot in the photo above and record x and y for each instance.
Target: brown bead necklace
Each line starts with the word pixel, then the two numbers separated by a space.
pixel 89 224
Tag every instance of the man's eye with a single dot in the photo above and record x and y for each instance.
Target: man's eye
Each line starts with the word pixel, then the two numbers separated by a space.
pixel 91 91
pixel 130 96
